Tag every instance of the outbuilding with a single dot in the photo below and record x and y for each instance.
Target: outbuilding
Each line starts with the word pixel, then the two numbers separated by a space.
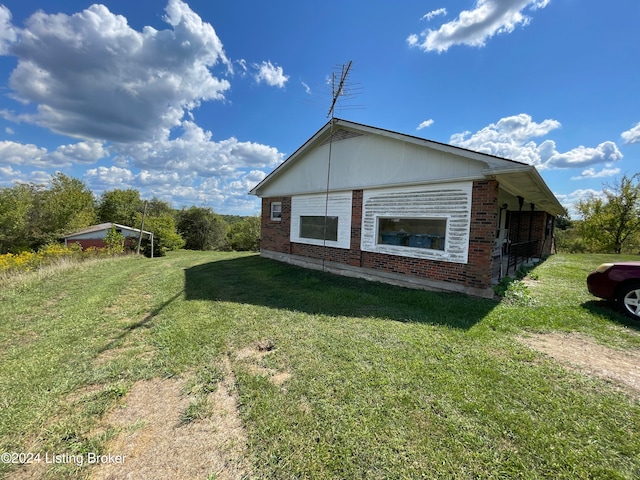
pixel 367 202
pixel 95 235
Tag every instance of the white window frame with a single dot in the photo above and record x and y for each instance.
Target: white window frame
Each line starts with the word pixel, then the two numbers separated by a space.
pixel 278 217
pixel 337 205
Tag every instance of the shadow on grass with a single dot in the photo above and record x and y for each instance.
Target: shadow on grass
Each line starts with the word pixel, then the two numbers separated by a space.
pixel 608 310
pixel 263 282
pixel 143 323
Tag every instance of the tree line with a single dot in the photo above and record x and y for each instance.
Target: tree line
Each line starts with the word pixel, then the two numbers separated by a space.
pixel 609 223
pixel 34 215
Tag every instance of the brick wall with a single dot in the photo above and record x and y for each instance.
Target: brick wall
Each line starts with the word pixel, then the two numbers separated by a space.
pixel 274 234
pixel 477 272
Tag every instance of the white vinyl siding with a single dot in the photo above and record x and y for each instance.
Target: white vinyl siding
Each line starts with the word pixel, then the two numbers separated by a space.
pixel 449 203
pixel 338 206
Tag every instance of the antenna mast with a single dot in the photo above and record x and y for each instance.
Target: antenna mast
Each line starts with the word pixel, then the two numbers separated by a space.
pixel 339 89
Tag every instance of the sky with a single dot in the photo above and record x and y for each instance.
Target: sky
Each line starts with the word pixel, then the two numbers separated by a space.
pixel 194 102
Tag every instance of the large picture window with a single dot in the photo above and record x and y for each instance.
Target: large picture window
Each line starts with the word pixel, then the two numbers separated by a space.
pixel 413 232
pixel 314 227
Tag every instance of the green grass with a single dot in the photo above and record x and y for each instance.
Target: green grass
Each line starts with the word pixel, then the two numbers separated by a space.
pixel 385 382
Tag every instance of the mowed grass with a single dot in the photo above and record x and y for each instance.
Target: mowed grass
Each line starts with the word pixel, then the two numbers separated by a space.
pixel 383 382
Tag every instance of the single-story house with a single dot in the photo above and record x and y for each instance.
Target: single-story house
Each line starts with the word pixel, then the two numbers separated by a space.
pixel 367 202
pixel 94 236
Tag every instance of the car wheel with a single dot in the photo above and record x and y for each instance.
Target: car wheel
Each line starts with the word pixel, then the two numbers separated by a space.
pixel 629 300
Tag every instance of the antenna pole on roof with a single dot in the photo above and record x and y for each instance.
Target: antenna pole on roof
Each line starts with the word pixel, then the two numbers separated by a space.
pixel 337 90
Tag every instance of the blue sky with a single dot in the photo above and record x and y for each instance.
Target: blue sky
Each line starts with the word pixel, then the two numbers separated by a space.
pixel 195 102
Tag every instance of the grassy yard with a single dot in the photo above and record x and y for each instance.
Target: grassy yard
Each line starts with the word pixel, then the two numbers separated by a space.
pixel 381 382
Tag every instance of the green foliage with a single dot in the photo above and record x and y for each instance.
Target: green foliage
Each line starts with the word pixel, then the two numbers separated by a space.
pixel 165 236
pixel 120 206
pixel 202 229
pixel 611 224
pixel 245 234
pixel 67 205
pixel 114 241
pixel 16 204
pixel 32 216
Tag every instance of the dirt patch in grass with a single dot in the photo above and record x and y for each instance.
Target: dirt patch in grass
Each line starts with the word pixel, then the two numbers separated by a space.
pixel 253 355
pixel 581 353
pixel 156 443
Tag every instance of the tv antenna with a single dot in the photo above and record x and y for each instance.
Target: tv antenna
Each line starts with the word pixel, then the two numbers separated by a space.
pixel 341 88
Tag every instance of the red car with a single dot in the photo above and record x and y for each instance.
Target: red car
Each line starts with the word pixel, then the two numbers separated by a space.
pixel 618 282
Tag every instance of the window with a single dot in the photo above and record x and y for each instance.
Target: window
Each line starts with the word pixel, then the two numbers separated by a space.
pixel 413 232
pixel 316 226
pixel 276 211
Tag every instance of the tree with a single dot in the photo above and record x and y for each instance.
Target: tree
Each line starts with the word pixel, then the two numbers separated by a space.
pixel 114 241
pixel 67 205
pixel 120 206
pixel 612 223
pixel 202 229
pixel 16 205
pixel 245 234
pixel 165 236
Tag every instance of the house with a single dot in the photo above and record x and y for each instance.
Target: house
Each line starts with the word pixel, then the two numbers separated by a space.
pixel 95 235
pixel 367 202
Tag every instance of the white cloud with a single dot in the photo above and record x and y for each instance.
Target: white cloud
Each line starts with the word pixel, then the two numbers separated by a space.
pixel 195 152
pixel 511 137
pixel 425 124
pixel 110 177
pixel 589 173
pixel 8 33
pixel 9 131
pixel 307 88
pixel 92 76
pixel 583 156
pixel 271 74
pixel 82 152
pixel 475 27
pixel 9 177
pixel 632 135
pixel 434 13
pixel 15 153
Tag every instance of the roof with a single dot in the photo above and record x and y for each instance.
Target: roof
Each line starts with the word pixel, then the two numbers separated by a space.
pixel 518 178
pixel 104 226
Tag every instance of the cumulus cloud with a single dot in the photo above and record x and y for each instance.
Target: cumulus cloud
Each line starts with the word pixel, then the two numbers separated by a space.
pixel 512 137
pixel 271 74
pixel 425 124
pixel 15 153
pixel 92 76
pixel 475 27
pixel 8 33
pixel 195 152
pixel 434 13
pixel 632 135
pixel 589 173
pixel 583 156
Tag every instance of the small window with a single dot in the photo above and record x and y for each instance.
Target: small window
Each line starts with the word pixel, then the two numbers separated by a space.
pixel 319 228
pixel 413 232
pixel 276 211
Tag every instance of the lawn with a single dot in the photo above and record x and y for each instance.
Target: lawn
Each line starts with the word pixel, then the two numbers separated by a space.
pixel 349 379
